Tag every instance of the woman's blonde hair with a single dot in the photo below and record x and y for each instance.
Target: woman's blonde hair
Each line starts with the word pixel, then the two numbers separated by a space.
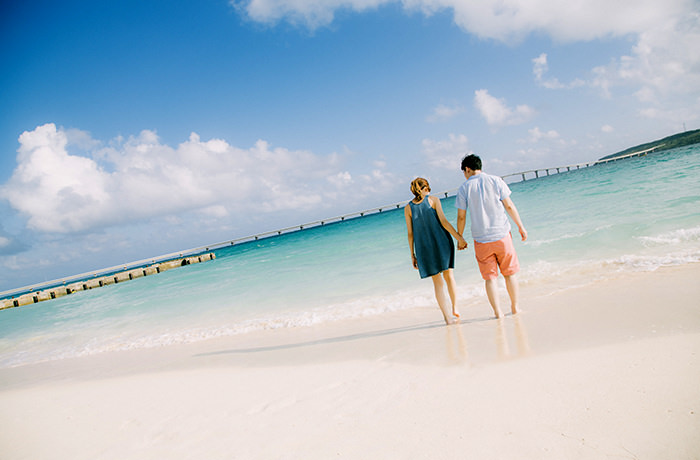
pixel 417 185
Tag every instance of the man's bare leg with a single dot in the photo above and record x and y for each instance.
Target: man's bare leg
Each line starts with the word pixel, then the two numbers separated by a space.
pixel 492 294
pixel 513 291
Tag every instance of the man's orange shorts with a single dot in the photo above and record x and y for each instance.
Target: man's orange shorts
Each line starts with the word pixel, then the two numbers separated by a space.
pixel 498 254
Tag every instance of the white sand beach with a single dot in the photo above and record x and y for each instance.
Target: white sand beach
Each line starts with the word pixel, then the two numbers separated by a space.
pixel 608 370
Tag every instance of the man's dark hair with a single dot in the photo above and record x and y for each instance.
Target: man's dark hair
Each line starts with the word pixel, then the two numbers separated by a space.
pixel 472 162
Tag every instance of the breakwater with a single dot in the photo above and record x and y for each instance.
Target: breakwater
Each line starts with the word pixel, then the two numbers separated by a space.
pixel 96 281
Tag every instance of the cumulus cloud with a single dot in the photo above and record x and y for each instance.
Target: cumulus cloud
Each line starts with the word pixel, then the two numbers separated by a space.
pixel 10 245
pixel 575 20
pixel 341 179
pixel 312 14
pixel 497 113
pixel 446 154
pixel 57 190
pixel 540 144
pixel 140 178
pixel 443 113
pixel 541 67
pixel 537 135
pixel 663 66
pixel 504 20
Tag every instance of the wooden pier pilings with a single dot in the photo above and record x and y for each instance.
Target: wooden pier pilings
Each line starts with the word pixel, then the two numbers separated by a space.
pixel 76 285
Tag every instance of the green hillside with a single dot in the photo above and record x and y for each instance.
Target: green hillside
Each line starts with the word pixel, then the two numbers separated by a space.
pixel 670 142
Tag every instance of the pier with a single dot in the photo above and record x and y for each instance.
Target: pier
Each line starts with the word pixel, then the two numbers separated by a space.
pixel 630 155
pixel 536 173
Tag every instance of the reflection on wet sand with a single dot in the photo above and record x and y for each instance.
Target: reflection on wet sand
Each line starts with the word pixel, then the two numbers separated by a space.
pixel 456 345
pixel 506 330
pixel 521 340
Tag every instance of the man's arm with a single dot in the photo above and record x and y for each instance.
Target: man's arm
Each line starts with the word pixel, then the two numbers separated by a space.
pixel 461 221
pixel 513 213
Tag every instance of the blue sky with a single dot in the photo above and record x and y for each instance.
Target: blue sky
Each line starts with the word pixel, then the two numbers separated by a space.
pixel 133 129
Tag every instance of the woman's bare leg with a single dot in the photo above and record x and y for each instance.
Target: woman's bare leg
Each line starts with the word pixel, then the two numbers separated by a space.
pixel 449 277
pixel 442 299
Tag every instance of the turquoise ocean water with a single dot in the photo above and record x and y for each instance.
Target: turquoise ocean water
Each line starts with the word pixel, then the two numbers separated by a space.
pixel 585 225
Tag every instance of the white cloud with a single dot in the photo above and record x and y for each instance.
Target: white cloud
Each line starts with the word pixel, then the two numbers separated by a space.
pixel 9 244
pixel 309 13
pixel 541 67
pixel 542 145
pixel 497 113
pixel 504 20
pixel 443 113
pixel 573 20
pixel 57 190
pixel 536 135
pixel 662 68
pixel 607 128
pixel 216 211
pixel 446 154
pixel 376 182
pixel 140 178
pixel 341 179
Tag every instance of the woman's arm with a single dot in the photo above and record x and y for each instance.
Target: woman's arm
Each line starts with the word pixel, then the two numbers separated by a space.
pixel 409 229
pixel 461 242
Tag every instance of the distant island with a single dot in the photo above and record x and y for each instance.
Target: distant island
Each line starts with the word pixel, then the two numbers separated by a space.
pixel 667 143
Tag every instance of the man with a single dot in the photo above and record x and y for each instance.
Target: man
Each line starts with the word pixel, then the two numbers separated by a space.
pixel 488 199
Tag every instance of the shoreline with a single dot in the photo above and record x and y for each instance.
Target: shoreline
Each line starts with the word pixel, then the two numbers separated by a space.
pixel 603 369
pixel 537 302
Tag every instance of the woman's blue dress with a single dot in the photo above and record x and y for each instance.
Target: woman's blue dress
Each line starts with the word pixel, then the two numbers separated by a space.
pixel 433 245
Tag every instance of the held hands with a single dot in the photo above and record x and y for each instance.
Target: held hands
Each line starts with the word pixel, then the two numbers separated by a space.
pixel 461 243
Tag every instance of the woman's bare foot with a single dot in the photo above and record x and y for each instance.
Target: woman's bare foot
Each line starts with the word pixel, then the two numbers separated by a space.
pixel 452 320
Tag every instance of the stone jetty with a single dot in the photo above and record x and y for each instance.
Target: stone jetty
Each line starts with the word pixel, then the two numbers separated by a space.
pixel 122 276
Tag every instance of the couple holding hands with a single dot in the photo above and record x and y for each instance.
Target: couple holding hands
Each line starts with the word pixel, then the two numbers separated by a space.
pixel 488 200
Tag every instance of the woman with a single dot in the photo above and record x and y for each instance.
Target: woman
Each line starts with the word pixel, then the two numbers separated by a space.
pixel 432 249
